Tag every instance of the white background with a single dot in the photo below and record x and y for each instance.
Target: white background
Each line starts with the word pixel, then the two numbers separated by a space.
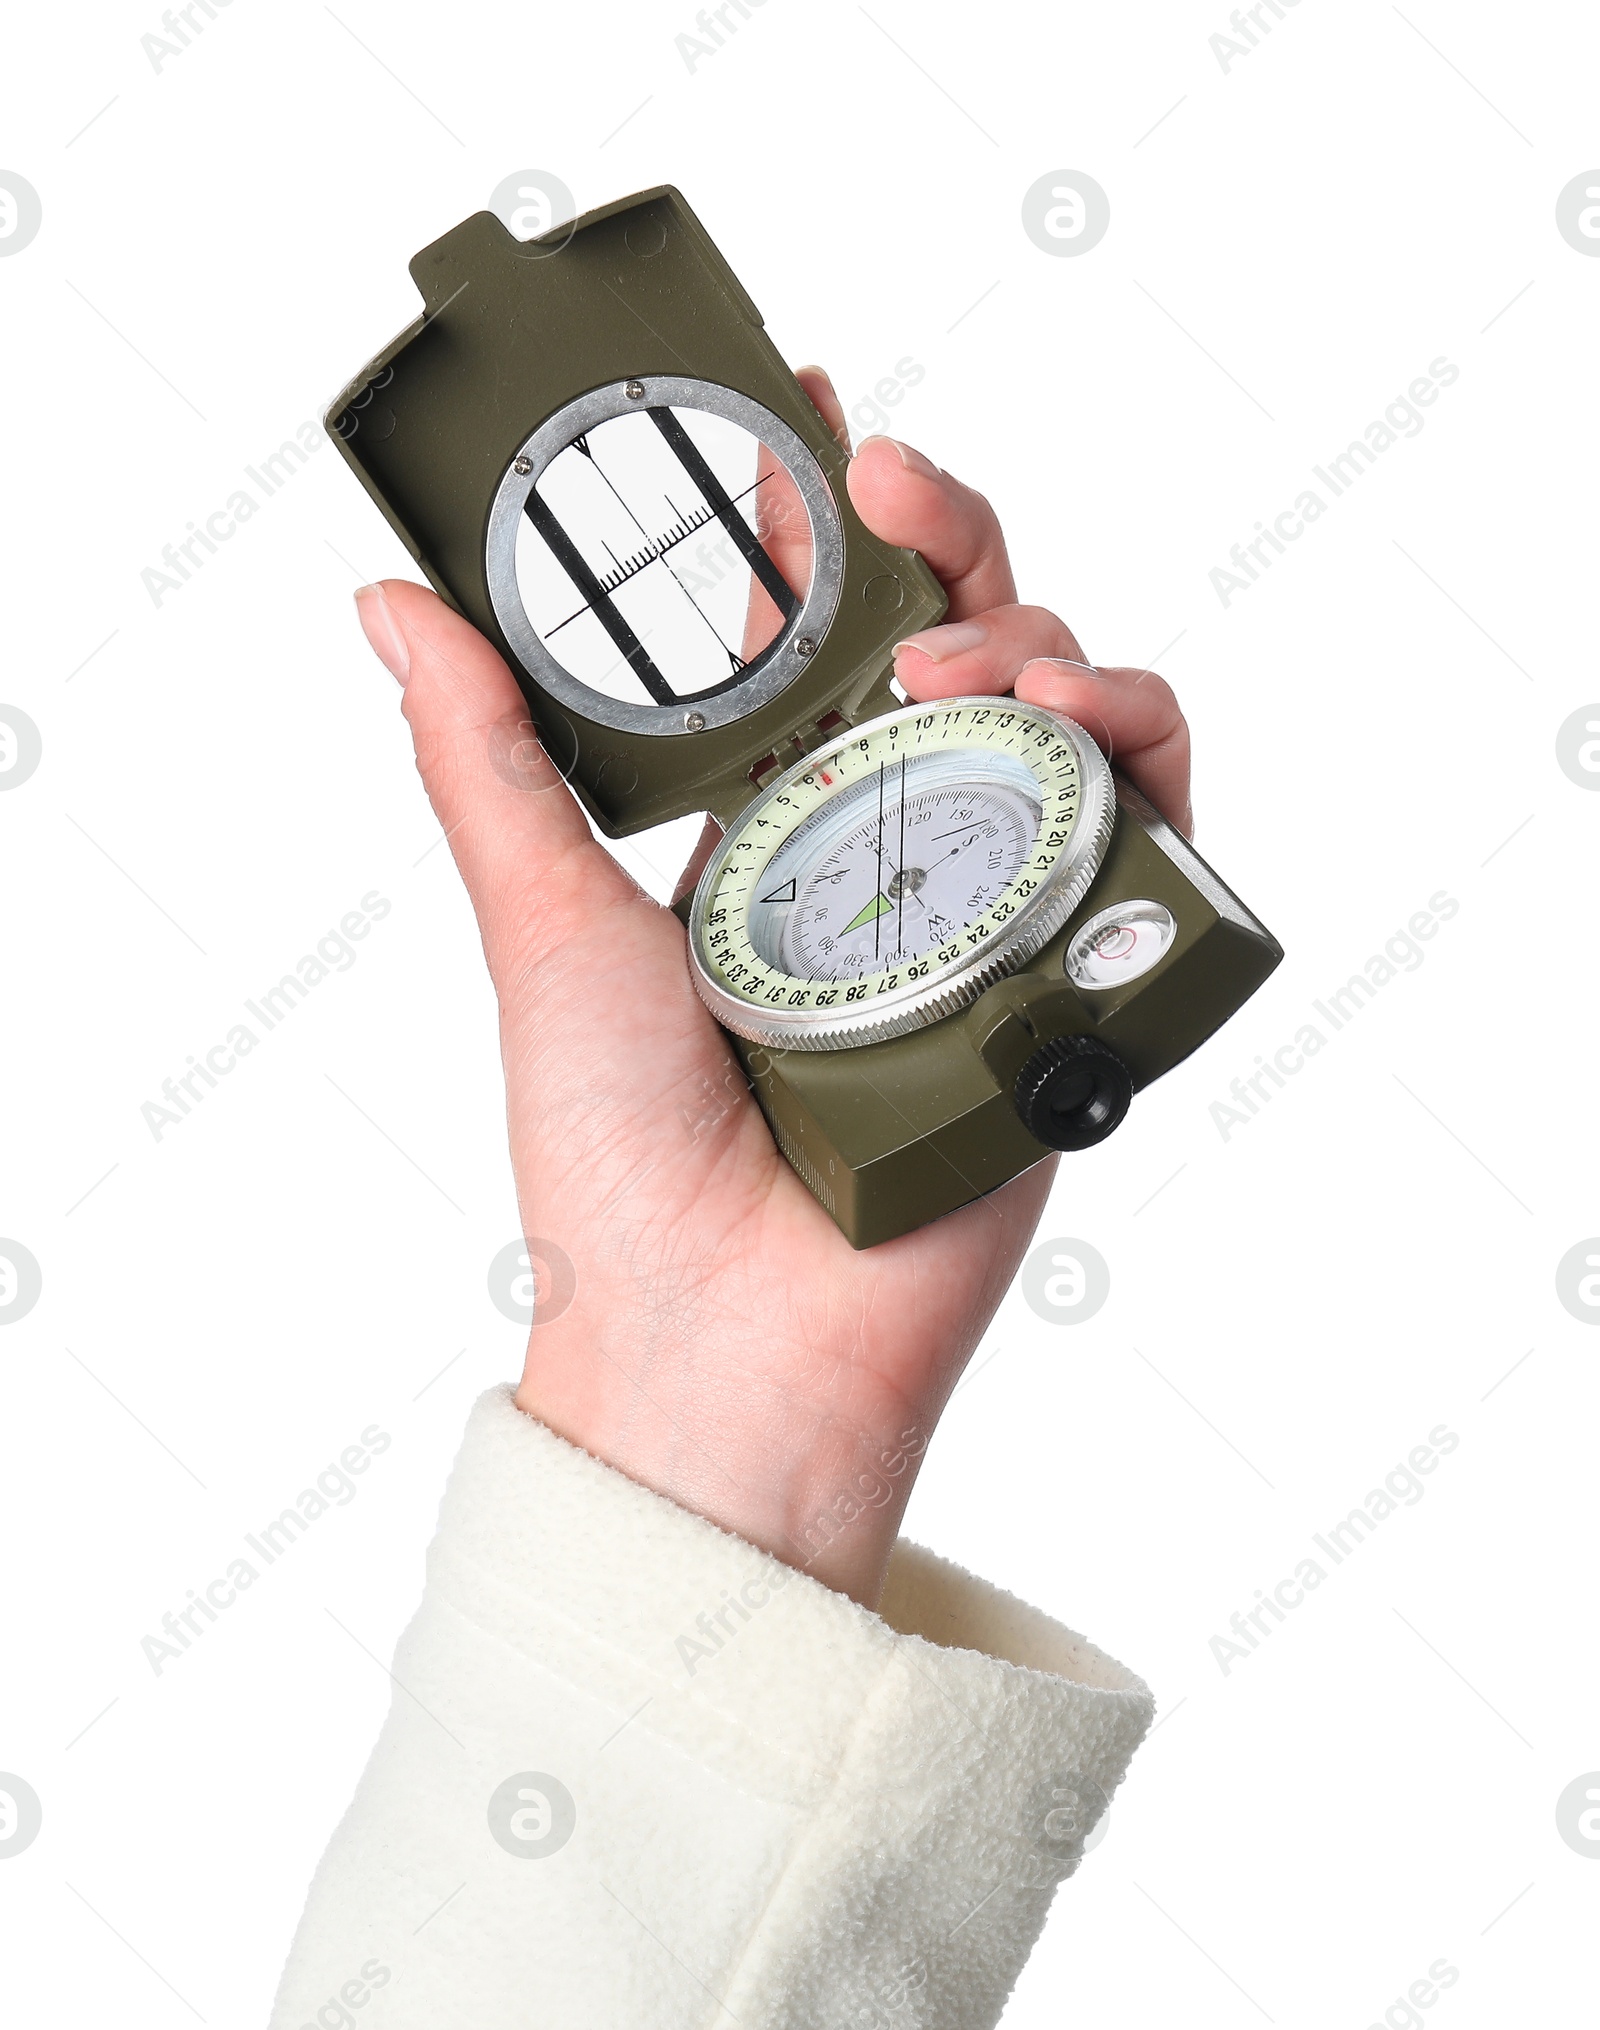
pixel 1293 241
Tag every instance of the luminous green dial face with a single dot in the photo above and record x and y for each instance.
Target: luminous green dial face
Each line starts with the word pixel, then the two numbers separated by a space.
pixel 894 863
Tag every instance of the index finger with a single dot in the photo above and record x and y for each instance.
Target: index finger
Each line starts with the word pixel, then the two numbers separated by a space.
pixel 904 498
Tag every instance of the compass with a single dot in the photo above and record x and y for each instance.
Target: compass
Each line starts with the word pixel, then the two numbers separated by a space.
pixel 943 940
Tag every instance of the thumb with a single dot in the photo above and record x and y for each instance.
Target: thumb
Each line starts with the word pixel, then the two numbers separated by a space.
pixel 533 869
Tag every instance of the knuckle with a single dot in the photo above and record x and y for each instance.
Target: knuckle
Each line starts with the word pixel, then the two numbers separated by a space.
pixel 1155 686
pixel 984 514
pixel 1043 624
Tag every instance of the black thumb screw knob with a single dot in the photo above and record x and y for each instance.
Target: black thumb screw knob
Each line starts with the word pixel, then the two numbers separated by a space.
pixel 1073 1092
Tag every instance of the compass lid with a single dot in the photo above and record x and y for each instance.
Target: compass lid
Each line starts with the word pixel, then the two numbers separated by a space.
pixel 595 453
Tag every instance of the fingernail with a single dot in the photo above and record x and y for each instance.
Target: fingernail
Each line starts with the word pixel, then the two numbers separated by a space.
pixel 1066 663
pixel 939 644
pixel 383 631
pixel 909 456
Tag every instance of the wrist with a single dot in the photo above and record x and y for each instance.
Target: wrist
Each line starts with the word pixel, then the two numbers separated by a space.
pixel 828 1505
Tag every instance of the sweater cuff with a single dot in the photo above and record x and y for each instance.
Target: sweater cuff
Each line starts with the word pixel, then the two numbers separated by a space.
pixel 638 1773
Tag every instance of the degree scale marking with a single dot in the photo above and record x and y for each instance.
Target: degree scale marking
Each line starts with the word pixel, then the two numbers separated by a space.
pixel 1051 762
pixel 847 756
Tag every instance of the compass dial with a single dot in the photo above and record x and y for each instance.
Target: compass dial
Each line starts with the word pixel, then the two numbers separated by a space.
pixel 887 879
pixel 856 889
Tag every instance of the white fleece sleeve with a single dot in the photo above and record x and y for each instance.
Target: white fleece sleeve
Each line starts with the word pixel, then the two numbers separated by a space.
pixel 637 1775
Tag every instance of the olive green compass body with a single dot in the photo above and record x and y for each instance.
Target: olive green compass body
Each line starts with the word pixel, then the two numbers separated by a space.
pixel 943 939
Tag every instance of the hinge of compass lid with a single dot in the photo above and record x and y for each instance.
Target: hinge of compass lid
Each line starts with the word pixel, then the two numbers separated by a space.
pixel 795 748
pixel 866 701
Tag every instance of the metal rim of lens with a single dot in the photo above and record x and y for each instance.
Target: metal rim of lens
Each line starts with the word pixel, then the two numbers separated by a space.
pixel 783 659
pixel 1037 920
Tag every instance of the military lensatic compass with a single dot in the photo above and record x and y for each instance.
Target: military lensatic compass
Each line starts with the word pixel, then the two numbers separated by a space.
pixel 944 939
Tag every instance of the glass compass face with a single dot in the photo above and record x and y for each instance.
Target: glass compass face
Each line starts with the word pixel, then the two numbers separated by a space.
pixel 890 877
pixel 664 555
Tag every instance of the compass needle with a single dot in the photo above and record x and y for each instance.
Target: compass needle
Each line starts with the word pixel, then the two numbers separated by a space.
pixel 869 912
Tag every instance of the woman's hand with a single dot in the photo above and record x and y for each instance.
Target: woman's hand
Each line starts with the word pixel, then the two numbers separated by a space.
pixel 725 1345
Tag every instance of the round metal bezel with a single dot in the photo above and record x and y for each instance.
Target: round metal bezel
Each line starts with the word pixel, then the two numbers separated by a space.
pixel 777 666
pixel 960 982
